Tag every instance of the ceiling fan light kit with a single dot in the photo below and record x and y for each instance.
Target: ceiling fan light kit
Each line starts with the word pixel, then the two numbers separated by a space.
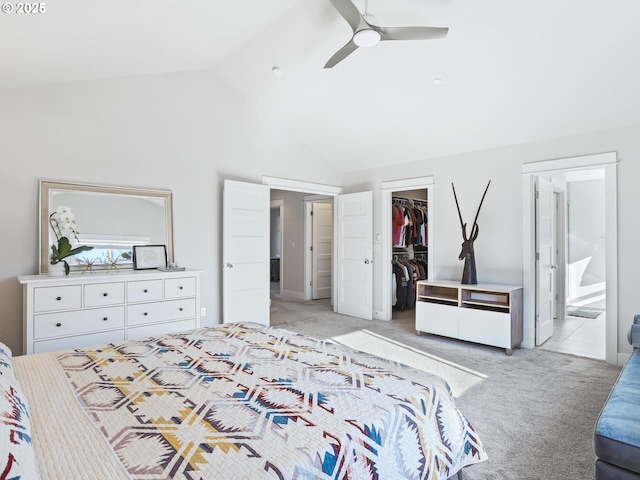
pixel 367 33
pixel 366 38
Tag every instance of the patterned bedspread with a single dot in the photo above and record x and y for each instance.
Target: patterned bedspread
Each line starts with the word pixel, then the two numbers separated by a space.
pixel 245 401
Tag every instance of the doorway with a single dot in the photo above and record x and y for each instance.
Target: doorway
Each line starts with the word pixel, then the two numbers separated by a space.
pixel 246 244
pixel 275 245
pixel 301 245
pixel 568 170
pixel 410 256
pixel 577 263
pixel 383 244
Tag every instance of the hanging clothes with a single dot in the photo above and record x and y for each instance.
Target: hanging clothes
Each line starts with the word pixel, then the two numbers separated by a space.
pixel 409 223
pixel 409 229
pixel 406 272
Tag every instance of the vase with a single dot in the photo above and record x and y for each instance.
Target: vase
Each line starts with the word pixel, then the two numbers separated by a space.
pixel 57 270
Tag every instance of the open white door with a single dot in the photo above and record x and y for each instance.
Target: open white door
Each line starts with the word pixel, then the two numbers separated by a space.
pixel 322 248
pixel 245 252
pixel 545 260
pixel 354 252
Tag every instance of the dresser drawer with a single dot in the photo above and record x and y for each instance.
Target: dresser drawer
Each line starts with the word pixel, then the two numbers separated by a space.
pixel 99 294
pixel 160 329
pixel 47 325
pixel 144 291
pixel 51 299
pixel 180 287
pixel 144 313
pixel 115 336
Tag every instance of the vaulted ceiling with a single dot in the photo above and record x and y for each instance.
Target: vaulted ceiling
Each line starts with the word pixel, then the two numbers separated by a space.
pixel 512 71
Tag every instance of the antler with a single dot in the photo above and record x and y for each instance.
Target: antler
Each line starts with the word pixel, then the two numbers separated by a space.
pixel 462 224
pixel 475 220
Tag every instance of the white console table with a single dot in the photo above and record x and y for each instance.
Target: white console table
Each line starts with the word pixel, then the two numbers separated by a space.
pixel 482 313
pixel 87 309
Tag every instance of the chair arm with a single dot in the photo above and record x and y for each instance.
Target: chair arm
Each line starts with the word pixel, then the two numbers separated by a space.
pixel 634 334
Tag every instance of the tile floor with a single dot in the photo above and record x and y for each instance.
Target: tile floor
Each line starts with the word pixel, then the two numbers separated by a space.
pixel 579 336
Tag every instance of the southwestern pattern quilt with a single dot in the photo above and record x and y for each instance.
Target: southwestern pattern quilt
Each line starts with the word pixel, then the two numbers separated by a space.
pixel 245 401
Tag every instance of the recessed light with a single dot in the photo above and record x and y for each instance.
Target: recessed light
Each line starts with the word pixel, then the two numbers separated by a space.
pixel 437 81
pixel 277 71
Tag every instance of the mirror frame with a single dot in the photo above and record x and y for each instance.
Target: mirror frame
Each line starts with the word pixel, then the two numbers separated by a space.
pixel 45 189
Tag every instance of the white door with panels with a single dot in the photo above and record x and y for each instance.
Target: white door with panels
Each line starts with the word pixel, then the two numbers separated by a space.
pixel 245 252
pixel 246 262
pixel 354 254
pixel 545 259
pixel 322 248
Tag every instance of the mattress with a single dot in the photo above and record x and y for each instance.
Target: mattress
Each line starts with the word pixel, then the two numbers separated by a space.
pixel 240 401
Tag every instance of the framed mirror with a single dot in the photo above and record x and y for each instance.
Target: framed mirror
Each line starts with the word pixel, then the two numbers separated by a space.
pixel 110 219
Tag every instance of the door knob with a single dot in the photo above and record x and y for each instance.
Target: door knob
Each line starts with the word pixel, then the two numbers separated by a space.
pixel 229 265
pixel 367 261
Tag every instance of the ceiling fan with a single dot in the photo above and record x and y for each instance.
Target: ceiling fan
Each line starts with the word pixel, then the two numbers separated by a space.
pixel 367 32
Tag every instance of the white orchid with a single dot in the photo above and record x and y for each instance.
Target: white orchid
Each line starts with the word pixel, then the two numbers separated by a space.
pixel 64 226
pixel 63 223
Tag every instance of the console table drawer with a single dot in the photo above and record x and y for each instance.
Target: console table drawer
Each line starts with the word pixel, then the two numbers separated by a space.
pixel 144 291
pixel 490 328
pixel 51 299
pixel 99 294
pixel 437 319
pixel 180 287
pixel 143 313
pixel 47 325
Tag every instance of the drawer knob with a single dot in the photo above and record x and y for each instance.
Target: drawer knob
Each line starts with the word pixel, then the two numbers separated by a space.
pixel 145 314
pixel 180 287
pixel 180 309
pixel 104 319
pixel 145 290
pixel 58 298
pixel 105 294
pixel 58 324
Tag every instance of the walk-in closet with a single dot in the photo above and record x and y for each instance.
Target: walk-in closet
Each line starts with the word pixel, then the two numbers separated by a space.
pixel 410 240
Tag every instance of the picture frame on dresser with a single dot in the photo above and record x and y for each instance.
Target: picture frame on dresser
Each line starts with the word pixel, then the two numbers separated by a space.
pixel 148 257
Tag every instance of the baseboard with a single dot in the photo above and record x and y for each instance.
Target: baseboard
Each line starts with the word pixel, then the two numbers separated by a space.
pixel 623 358
pixel 293 295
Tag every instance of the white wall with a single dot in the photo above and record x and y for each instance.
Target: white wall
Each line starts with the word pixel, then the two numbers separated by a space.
pixel 188 132
pixel 586 243
pixel 182 132
pixel 498 249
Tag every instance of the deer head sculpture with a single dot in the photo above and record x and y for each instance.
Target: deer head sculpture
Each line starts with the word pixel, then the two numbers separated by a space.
pixel 469 271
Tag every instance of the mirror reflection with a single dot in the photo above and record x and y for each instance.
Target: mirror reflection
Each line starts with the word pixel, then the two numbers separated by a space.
pixel 110 219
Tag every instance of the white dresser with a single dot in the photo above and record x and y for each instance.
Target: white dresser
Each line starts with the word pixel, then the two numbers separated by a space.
pixel 81 310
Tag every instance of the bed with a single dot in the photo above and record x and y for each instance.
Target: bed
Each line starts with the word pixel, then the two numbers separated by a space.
pixel 240 401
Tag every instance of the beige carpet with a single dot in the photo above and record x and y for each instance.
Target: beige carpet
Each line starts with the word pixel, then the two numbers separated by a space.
pixel 535 410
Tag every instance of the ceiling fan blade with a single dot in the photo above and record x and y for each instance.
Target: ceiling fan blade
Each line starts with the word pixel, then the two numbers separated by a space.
pixel 349 11
pixel 412 33
pixel 341 54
